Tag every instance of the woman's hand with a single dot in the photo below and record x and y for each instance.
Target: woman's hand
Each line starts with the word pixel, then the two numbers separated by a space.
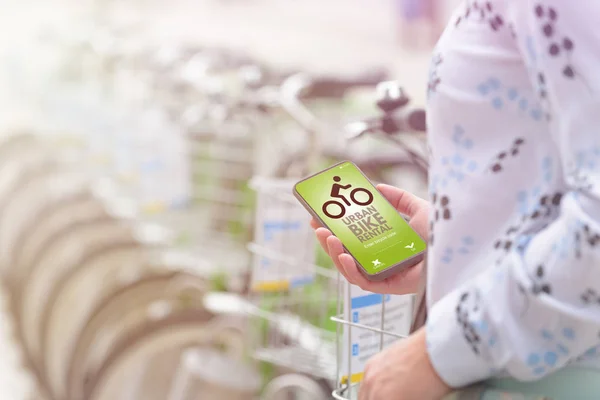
pixel 406 281
pixel 403 371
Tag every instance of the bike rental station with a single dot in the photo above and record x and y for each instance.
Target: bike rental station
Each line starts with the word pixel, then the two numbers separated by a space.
pixel 152 245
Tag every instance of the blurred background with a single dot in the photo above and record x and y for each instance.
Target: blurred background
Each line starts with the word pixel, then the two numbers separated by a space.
pixel 150 245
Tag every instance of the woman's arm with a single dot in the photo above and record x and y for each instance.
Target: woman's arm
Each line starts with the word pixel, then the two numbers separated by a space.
pixel 539 308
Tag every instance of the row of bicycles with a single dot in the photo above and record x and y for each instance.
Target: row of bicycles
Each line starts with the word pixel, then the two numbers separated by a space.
pixel 92 289
pixel 120 290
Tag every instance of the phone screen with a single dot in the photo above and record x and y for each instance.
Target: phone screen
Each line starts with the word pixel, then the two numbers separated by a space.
pixel 369 227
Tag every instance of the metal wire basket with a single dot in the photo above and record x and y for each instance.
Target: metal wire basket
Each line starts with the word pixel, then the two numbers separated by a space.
pixel 308 319
pixel 368 323
pixel 293 297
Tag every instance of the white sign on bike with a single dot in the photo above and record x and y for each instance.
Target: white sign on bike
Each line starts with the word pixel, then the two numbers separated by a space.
pixel 284 243
pixel 359 343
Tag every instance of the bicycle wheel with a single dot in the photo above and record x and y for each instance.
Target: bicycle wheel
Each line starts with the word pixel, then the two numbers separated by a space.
pixel 296 386
pixel 122 312
pixel 208 372
pixel 63 254
pixel 76 299
pixel 41 187
pixel 38 218
pixel 50 227
pixel 73 297
pixel 56 223
pixel 17 155
pixel 174 334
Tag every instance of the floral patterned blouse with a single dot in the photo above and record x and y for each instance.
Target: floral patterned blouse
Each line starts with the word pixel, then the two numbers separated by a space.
pixel 514 125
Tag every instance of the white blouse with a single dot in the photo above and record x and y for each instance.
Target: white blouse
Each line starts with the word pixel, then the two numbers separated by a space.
pixel 514 126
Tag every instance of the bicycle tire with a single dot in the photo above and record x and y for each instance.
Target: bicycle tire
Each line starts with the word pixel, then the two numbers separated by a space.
pixel 179 331
pixel 17 157
pixel 16 139
pixel 34 190
pixel 37 219
pixel 105 264
pixel 278 388
pixel 66 252
pixel 128 303
pixel 67 306
pixel 53 226
pixel 208 372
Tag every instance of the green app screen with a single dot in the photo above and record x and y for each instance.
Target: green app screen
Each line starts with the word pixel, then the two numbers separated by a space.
pixel 366 223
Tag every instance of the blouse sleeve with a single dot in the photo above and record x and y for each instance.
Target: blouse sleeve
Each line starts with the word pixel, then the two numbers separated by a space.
pixel 539 309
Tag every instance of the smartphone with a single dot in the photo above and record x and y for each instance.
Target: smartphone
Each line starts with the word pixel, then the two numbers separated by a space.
pixel 344 201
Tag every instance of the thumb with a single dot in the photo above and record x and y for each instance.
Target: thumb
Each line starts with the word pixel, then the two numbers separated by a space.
pixel 405 202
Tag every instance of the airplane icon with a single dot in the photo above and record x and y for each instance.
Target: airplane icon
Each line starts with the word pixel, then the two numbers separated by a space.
pixel 376 263
pixel 410 246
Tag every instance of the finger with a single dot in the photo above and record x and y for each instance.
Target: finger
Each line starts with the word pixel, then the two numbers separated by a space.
pixel 397 284
pixel 405 202
pixel 346 264
pixel 322 235
pixel 315 224
pixel 335 251
pixel 356 278
pixel 353 274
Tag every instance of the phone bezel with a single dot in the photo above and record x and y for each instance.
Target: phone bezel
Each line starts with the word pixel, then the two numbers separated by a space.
pixel 385 273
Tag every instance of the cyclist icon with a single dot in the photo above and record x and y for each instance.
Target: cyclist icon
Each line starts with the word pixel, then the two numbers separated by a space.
pixel 336 187
pixel 335 193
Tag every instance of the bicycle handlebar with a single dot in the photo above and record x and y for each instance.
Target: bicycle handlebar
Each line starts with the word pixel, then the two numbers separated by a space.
pixel 336 87
pixel 413 121
pixel 302 86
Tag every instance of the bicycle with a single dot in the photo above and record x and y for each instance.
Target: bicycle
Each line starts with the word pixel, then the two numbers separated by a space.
pixel 355 336
pixel 283 298
pixel 390 102
pixel 397 123
pixel 280 337
pixel 164 311
pixel 71 232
